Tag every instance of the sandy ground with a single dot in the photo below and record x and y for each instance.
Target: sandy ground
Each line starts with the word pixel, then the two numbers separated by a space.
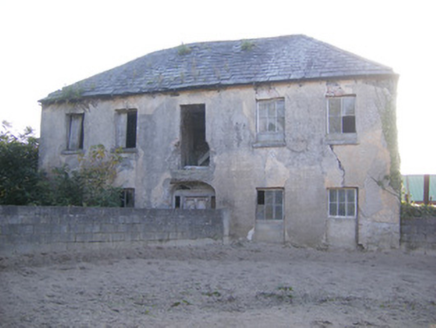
pixel 239 285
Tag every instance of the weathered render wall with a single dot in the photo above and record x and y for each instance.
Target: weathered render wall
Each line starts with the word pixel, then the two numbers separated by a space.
pixel 305 167
pixel 31 229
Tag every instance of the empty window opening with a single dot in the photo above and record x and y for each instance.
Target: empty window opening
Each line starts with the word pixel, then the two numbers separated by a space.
pixel 126 128
pixel 177 202
pixel 128 197
pixel 341 114
pixel 194 147
pixel 269 204
pixel 343 202
pixel 75 131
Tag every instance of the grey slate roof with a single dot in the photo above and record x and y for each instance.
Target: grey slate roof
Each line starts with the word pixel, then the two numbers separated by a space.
pixel 224 63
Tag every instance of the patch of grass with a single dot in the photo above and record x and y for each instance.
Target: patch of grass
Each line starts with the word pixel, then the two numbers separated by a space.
pixel 282 294
pixel 214 293
pixel 182 302
pixel 247 45
pixel 183 49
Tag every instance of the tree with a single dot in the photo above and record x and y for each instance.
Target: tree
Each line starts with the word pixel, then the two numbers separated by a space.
pixel 20 181
pixel 92 183
pixel 22 184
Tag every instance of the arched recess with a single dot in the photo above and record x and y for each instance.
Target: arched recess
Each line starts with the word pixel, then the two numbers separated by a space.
pixel 193 195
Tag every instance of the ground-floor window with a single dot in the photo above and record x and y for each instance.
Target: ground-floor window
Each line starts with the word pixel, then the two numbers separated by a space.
pixel 343 202
pixel 128 197
pixel 269 204
pixel 194 196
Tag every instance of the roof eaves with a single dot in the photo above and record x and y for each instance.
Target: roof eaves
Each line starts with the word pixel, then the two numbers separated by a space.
pixel 221 85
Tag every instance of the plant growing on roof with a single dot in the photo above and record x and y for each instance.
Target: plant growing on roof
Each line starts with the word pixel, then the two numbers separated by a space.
pixel 70 93
pixel 183 49
pixel 247 45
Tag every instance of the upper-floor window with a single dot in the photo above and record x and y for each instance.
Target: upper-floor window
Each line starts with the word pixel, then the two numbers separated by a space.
pixel 271 120
pixel 341 114
pixel 194 147
pixel 343 202
pixel 75 131
pixel 126 128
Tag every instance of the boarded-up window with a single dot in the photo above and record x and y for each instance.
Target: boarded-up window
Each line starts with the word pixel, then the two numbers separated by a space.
pixel 126 128
pixel 343 202
pixel 271 120
pixel 269 204
pixel 341 114
pixel 75 131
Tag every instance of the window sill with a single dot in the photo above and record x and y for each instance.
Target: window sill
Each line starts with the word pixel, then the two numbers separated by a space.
pixel 342 139
pixel 191 168
pixel 266 144
pixel 271 221
pixel 342 217
pixel 126 150
pixel 72 152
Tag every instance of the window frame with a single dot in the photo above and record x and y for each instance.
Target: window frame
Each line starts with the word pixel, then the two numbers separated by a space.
pixel 346 203
pixel 262 206
pixel 264 137
pixel 127 198
pixel 342 116
pixel 125 138
pixel 80 134
pixel 193 136
pixel 180 201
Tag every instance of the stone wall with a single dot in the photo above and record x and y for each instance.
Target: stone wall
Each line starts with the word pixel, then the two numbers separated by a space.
pixel 26 229
pixel 418 233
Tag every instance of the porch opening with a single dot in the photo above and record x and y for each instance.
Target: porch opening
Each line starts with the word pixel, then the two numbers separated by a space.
pixel 194 147
pixel 194 196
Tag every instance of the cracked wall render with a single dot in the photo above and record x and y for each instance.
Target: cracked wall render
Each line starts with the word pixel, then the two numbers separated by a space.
pixel 305 167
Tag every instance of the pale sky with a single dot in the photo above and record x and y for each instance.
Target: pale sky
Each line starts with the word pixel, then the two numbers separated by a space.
pixel 46 45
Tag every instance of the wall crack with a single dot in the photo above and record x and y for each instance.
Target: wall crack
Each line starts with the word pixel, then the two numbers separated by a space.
pixel 341 168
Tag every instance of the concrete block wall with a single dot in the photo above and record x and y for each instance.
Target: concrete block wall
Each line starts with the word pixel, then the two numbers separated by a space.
pixel 418 233
pixel 27 229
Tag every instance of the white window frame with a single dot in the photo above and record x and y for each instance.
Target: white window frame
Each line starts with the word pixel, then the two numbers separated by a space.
pixel 274 116
pixel 343 113
pixel 269 210
pixel 336 201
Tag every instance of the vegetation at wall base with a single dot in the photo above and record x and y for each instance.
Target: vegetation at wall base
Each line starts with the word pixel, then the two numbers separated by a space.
pixel 412 210
pixel 21 183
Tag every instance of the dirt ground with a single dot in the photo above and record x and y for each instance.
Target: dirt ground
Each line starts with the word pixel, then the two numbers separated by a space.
pixel 239 285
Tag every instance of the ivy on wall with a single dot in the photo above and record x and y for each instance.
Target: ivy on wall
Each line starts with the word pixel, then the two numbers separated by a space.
pixel 409 211
pixel 387 110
